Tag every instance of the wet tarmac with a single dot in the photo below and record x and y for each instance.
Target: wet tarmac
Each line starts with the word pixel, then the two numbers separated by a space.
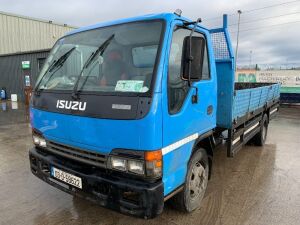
pixel 260 186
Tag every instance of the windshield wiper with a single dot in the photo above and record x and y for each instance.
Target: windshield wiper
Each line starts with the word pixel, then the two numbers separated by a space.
pixel 100 50
pixel 55 65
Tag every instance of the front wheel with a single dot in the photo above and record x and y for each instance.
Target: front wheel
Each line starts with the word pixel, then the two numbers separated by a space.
pixel 195 184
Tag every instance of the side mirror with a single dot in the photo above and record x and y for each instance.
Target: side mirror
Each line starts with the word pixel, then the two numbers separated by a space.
pixel 192 58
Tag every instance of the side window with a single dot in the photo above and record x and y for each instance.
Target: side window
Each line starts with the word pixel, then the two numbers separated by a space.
pixel 178 88
pixel 205 68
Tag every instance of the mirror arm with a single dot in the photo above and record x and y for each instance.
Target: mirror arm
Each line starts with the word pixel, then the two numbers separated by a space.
pixel 190 49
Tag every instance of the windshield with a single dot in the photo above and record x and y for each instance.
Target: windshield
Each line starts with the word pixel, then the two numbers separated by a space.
pixel 119 58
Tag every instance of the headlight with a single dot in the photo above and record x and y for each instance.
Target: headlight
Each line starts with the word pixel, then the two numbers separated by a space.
pixel 118 163
pixel 38 140
pixel 43 143
pixel 136 167
pixel 147 164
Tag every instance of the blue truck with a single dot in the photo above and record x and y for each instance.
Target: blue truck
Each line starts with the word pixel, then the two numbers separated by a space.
pixel 128 113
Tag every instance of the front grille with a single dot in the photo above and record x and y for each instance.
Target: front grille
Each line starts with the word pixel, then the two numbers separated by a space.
pixel 77 154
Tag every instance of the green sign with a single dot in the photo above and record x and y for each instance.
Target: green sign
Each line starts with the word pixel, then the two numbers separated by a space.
pixel 243 77
pixel 25 64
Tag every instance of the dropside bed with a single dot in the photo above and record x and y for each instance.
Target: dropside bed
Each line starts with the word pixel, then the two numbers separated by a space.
pixel 250 102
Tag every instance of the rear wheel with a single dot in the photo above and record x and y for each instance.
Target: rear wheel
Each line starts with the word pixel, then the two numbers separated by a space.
pixel 260 138
pixel 195 184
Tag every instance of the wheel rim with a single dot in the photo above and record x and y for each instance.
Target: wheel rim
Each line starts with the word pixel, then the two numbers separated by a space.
pixel 198 181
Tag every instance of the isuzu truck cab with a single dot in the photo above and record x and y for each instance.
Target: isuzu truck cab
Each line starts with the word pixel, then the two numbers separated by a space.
pixel 128 113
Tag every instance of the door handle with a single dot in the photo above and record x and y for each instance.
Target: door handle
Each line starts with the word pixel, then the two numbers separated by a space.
pixel 195 96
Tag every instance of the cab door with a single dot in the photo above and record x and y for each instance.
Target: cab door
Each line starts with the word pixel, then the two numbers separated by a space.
pixel 183 119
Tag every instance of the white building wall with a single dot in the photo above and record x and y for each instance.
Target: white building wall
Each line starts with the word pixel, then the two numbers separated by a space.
pixel 23 34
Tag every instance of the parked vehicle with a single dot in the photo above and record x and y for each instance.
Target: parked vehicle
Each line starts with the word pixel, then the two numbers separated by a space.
pixel 128 113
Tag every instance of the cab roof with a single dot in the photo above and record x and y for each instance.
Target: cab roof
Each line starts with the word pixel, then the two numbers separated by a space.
pixel 164 16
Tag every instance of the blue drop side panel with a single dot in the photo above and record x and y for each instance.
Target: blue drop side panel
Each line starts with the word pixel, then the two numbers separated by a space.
pixel 241 103
pixel 248 100
pixel 264 96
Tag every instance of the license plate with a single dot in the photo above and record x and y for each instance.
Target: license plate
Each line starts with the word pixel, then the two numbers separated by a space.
pixel 66 177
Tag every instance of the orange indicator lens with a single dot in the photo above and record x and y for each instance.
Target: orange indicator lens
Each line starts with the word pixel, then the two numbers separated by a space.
pixel 153 155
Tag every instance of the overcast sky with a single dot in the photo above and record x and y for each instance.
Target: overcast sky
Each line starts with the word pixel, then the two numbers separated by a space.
pixel 271 45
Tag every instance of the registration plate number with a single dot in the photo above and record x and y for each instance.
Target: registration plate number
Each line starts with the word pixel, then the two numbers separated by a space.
pixel 66 177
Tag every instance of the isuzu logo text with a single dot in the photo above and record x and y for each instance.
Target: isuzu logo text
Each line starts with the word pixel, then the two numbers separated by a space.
pixel 74 105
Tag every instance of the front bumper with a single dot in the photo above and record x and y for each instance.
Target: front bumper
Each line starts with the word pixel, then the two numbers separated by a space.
pixel 128 196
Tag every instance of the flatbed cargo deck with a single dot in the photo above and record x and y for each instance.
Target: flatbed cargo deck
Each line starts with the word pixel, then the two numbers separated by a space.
pixel 250 102
pixel 241 106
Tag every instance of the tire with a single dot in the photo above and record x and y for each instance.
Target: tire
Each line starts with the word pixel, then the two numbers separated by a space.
pixel 260 138
pixel 195 184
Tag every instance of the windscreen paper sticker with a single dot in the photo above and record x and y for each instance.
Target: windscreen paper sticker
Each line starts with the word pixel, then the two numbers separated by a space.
pixel 130 85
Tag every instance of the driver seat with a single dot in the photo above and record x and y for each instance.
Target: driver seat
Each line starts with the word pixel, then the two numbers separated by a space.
pixel 113 69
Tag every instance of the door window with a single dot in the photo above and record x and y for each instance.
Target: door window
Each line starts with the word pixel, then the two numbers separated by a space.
pixel 178 88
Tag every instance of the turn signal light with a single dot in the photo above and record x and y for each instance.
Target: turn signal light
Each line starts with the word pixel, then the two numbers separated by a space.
pixel 153 155
pixel 153 163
